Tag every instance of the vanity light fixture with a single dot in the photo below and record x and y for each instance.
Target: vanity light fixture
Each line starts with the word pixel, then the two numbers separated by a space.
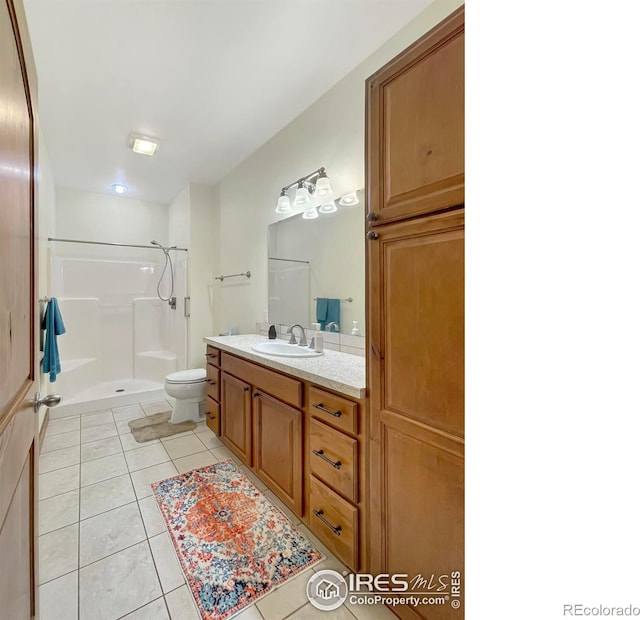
pixel 323 187
pixel 314 196
pixel 328 207
pixel 144 145
pixel 284 204
pixel 303 197
pixel 306 186
pixel 349 200
pixel 310 214
pixel 118 188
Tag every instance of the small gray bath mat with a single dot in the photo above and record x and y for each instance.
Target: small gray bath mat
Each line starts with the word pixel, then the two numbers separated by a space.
pixel 157 426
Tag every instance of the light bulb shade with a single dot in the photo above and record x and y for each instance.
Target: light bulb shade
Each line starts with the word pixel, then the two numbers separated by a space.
pixel 328 207
pixel 323 188
pixel 284 205
pixel 310 214
pixel 349 200
pixel 303 198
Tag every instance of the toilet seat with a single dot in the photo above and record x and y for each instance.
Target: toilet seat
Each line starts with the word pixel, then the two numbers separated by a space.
pixel 195 375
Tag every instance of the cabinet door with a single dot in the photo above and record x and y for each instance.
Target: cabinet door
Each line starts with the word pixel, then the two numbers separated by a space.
pixel 416 373
pixel 236 417
pixel 416 271
pixel 278 448
pixel 415 127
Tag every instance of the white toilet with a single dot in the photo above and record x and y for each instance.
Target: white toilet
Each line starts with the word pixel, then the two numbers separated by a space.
pixel 188 388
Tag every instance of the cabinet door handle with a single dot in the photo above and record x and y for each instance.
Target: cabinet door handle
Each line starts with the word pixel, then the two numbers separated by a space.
pixel 246 389
pixel 372 216
pixel 372 235
pixel 336 529
pixel 335 414
pixel 256 394
pixel 322 455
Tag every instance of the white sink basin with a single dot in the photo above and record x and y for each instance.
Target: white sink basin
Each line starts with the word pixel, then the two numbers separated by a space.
pixel 284 349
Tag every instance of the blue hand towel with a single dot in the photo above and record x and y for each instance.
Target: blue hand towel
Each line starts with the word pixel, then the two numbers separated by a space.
pixel 54 326
pixel 327 311
pixel 322 304
pixel 333 311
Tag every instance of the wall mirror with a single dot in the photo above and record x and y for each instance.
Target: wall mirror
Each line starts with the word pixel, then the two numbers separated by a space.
pixel 318 258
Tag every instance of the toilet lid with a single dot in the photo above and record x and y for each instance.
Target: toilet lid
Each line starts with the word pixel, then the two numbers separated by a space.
pixel 195 375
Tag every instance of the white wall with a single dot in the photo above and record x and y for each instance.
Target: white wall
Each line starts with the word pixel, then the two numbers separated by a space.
pixel 329 133
pixel 112 219
pixel 193 215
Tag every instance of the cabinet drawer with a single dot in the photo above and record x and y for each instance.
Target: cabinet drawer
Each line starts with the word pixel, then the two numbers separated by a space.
pixel 213 382
pixel 283 388
pixel 334 459
pixel 334 410
pixel 213 415
pixel 213 356
pixel 334 521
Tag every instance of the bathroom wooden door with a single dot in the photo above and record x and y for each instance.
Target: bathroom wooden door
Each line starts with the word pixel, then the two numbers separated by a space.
pixel 18 320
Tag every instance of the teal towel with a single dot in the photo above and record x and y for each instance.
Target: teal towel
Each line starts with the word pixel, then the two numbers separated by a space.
pixel 322 304
pixel 54 326
pixel 327 311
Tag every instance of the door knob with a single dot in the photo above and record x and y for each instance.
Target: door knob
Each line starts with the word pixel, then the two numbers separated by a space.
pixel 49 401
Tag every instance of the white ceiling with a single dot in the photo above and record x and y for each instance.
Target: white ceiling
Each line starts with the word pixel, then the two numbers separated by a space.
pixel 212 79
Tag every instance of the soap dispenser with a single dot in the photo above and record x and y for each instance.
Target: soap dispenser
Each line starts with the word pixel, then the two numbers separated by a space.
pixel 318 339
pixel 355 331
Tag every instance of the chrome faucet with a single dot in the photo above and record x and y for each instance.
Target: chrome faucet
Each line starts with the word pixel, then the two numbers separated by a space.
pixel 332 324
pixel 303 337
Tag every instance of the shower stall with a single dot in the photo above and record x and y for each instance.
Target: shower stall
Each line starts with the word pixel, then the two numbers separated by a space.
pixel 125 309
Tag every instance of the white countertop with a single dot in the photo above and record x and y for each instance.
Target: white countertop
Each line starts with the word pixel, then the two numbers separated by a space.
pixel 337 371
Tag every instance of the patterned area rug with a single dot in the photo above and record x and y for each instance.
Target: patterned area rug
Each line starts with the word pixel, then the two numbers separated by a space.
pixel 157 426
pixel 233 544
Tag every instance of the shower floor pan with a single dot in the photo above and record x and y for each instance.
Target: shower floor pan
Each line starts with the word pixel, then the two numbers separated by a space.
pixel 107 395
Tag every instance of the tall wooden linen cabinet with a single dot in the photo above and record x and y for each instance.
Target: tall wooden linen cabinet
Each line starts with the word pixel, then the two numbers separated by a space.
pixel 415 287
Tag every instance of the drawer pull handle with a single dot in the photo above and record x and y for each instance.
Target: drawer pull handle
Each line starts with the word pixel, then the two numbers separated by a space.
pixel 211 382
pixel 320 406
pixel 210 355
pixel 336 529
pixel 321 454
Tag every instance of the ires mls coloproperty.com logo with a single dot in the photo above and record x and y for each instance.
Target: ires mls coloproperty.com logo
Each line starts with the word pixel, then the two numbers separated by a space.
pixel 327 589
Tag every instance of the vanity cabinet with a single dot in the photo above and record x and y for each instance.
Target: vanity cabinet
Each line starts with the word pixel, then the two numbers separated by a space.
pixel 212 400
pixel 262 425
pixel 306 443
pixel 277 456
pixel 236 419
pixel 335 465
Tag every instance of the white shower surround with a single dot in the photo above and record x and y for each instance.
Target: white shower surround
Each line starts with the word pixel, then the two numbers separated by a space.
pixel 121 340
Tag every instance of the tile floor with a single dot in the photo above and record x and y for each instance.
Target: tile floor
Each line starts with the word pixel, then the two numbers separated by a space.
pixel 103 546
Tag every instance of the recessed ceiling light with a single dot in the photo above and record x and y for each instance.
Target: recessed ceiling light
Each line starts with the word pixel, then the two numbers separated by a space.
pixel 142 144
pixel 118 188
